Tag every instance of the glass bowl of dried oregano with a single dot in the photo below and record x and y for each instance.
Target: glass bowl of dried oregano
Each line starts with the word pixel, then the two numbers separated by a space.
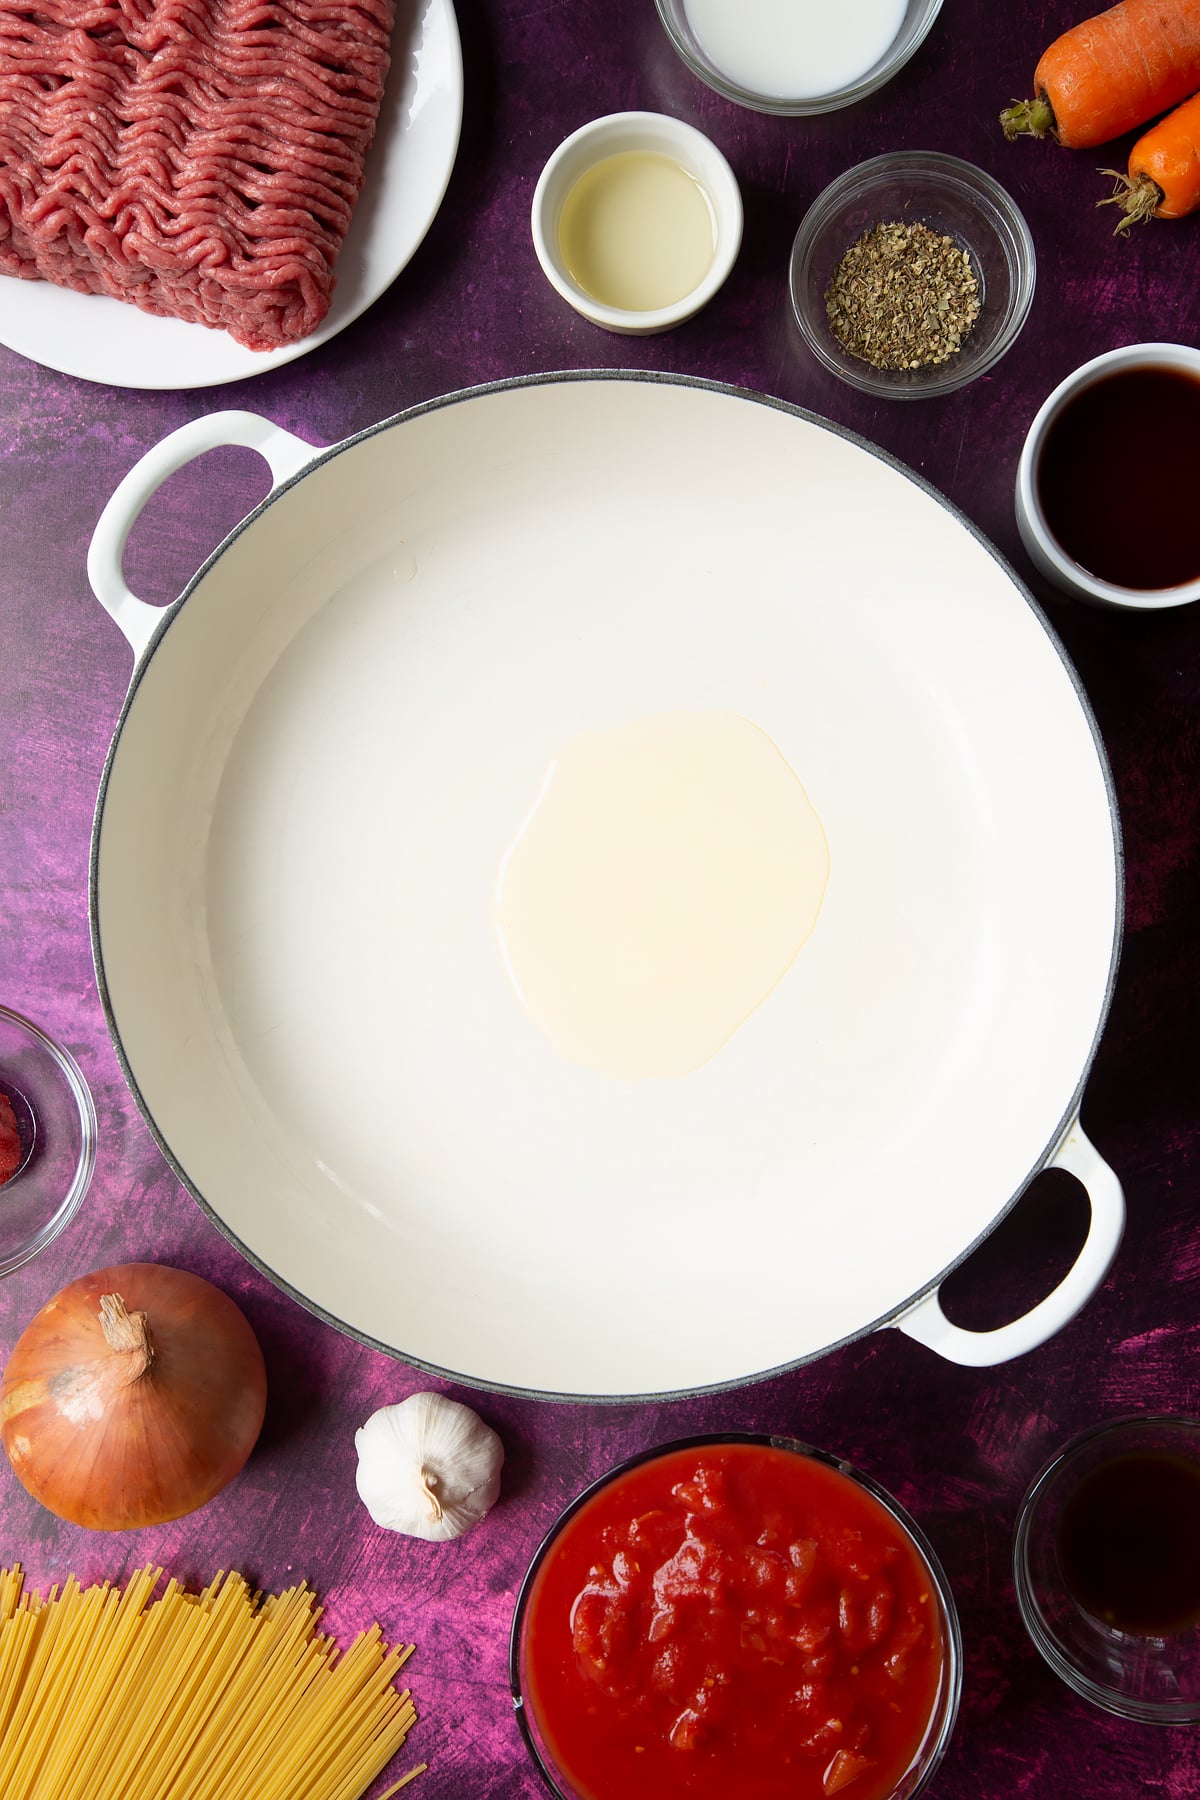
pixel 912 274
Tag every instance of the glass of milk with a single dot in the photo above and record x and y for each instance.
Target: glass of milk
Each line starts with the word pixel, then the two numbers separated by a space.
pixel 796 56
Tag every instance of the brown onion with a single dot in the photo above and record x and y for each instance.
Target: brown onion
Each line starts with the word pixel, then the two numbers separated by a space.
pixel 132 1397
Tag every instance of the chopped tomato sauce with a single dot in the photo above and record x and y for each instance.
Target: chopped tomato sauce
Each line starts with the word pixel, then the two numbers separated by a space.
pixel 732 1618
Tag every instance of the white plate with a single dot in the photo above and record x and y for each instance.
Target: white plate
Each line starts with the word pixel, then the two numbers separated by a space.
pixel 328 749
pixel 407 171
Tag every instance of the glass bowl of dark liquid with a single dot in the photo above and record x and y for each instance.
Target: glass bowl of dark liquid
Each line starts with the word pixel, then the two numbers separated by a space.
pixel 1107 1567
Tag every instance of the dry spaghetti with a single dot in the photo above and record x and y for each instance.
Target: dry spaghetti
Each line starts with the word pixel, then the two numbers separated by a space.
pixel 221 1695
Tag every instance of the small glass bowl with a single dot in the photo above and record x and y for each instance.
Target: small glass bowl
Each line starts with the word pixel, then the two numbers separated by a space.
pixel 956 200
pixel 56 1130
pixel 944 1712
pixel 1152 1676
pixel 919 16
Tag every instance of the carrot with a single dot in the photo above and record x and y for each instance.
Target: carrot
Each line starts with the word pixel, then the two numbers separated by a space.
pixel 1112 72
pixel 1163 180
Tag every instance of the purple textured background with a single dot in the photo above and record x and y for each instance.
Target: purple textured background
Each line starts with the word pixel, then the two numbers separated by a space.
pixel 956 1446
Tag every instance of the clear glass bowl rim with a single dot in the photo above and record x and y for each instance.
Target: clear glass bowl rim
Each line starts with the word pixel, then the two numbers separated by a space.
pixel 950 1692
pixel 908 39
pixel 86 1162
pixel 1146 1712
pixel 1006 218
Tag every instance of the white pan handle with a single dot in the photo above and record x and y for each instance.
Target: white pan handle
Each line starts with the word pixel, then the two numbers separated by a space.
pixel 928 1324
pixel 285 454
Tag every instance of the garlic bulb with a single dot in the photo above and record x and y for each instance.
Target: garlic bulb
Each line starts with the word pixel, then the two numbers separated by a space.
pixel 429 1467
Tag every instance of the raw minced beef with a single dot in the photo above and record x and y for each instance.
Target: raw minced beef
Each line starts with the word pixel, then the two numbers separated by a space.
pixel 198 158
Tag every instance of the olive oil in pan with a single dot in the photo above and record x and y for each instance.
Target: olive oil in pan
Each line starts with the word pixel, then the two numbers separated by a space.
pixel 658 890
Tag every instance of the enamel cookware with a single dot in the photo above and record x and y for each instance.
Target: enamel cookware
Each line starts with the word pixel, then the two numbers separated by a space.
pixel 333 735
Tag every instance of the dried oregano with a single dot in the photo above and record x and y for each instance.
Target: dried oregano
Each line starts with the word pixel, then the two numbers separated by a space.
pixel 902 297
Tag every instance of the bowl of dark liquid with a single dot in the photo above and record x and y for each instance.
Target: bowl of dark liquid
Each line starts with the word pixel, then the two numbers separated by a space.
pixel 1106 484
pixel 1107 1567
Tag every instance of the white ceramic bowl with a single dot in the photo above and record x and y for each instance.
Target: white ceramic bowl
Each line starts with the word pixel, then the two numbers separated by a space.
pixel 1049 556
pixel 656 134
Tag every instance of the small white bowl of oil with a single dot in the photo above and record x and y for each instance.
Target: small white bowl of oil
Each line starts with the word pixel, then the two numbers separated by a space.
pixel 637 221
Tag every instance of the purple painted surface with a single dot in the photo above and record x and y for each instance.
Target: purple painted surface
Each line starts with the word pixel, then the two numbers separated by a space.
pixel 956 1446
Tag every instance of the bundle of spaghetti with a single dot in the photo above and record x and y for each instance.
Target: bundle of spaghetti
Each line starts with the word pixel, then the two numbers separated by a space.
pixel 221 1695
pixel 198 158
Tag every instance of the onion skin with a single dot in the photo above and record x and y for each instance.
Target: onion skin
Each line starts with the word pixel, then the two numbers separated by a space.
pixel 108 1442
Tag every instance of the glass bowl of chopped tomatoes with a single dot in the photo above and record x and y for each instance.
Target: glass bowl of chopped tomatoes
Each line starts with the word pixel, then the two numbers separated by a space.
pixel 47 1139
pixel 912 274
pixel 735 1614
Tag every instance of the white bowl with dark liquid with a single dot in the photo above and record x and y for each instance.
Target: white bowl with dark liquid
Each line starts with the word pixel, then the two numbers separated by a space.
pixel 1091 527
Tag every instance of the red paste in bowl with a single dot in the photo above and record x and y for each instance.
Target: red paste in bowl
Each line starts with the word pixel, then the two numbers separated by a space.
pixel 733 1617
pixel 10 1141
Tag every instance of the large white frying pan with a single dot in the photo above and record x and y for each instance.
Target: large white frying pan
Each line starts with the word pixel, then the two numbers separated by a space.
pixel 332 737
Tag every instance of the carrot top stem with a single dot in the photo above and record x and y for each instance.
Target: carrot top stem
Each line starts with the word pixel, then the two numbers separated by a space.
pixel 1029 118
pixel 1138 196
